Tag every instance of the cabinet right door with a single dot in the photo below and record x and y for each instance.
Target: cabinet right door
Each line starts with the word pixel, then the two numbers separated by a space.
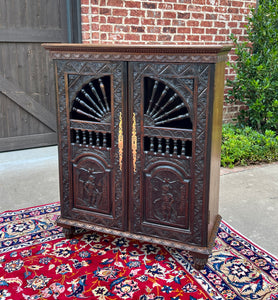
pixel 169 111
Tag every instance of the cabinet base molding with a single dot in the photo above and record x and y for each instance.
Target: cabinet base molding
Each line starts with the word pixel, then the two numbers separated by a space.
pixel 200 254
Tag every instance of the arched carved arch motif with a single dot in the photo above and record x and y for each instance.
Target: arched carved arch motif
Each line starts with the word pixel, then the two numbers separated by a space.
pixel 93 101
pixel 164 106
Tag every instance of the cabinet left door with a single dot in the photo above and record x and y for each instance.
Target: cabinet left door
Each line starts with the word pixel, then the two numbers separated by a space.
pixel 91 141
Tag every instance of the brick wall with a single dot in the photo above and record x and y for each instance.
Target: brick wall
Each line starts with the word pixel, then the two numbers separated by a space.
pixel 166 22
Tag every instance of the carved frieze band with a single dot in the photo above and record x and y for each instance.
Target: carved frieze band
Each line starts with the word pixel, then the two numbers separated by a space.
pixel 205 58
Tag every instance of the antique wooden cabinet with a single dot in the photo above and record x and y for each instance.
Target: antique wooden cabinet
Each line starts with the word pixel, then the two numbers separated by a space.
pixel 139 141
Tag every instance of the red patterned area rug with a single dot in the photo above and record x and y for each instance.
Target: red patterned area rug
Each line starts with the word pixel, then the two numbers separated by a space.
pixel 37 262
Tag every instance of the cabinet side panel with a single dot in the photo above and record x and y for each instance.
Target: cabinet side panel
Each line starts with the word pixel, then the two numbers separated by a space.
pixel 216 144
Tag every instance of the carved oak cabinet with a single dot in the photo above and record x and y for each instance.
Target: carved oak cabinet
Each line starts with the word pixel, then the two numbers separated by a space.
pixel 139 141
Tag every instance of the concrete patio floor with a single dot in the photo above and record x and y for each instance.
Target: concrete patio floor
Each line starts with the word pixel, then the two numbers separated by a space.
pixel 248 196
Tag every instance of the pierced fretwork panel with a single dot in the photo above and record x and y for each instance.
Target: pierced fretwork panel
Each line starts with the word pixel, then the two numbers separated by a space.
pixel 163 106
pixel 91 138
pixel 93 101
pixel 168 146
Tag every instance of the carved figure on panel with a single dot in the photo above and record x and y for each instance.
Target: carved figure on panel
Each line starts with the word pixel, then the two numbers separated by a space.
pixel 91 188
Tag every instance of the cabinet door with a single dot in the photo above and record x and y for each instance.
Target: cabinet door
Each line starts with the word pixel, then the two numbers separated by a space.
pixel 168 162
pixel 90 105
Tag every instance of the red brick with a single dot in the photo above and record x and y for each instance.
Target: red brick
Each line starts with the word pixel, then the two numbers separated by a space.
pixel 236 31
pixel 154 14
pixel 85 35
pixel 149 37
pixel 148 5
pixel 192 23
pixel 206 24
pixel 85 27
pixel 164 38
pixel 155 29
pixel 115 20
pixel 207 8
pixel 133 4
pixel 236 18
pixel 194 8
pixel 95 35
pixel 193 38
pixel 164 22
pixel 184 15
pixel 118 3
pixel 84 2
pixel 233 24
pixel 148 21
pixel 224 31
pixel 184 30
pixel 211 16
pixel 132 37
pixel 169 30
pixel 169 14
pixel 121 28
pixel 180 7
pixel 95 27
pixel 103 36
pixel 84 19
pixel 220 38
pixel 104 11
pixel 165 6
pixel 198 30
pixel 106 28
pixel 198 16
pixel 179 37
pixel 116 36
pixel 178 23
pixel 137 28
pixel 237 3
pixel 85 10
pixel 207 38
pixel 218 24
pixel 212 31
pixel 137 13
pixel 119 12
pixel 233 10
pixel 133 21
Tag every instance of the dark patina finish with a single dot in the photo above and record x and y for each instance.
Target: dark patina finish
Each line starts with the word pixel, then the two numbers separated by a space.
pixel 139 141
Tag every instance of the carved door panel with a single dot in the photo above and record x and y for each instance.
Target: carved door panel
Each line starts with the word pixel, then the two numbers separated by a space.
pixel 93 105
pixel 165 111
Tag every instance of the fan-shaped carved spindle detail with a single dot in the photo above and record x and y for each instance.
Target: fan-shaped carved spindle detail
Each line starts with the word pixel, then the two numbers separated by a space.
pixel 104 94
pixel 82 103
pixel 152 97
pixel 93 101
pixel 164 106
pixel 97 96
pixel 156 106
pixel 87 96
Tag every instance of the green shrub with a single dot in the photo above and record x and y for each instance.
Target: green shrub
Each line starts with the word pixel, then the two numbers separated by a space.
pixel 256 81
pixel 245 146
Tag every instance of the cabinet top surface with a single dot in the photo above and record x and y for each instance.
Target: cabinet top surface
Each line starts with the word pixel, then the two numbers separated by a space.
pixel 151 53
pixel 139 49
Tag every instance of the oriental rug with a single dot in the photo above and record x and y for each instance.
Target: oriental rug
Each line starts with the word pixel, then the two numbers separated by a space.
pixel 37 262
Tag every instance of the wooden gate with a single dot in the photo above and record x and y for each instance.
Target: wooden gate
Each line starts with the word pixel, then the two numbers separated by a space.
pixel 27 89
